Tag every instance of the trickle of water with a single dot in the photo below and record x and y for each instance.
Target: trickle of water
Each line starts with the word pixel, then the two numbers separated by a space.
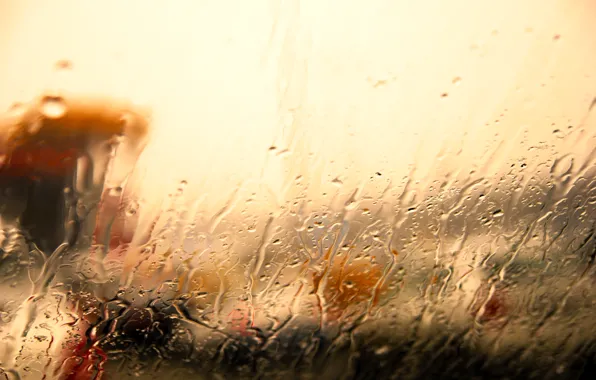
pixel 351 205
pixel 34 126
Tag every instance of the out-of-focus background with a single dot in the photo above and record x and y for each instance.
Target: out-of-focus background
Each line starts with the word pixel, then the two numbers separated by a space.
pixel 448 148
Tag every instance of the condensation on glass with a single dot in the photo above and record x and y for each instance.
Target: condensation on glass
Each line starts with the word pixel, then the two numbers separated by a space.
pixel 297 189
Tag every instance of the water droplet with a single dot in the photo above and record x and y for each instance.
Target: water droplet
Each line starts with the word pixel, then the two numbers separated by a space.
pixel 379 83
pixel 382 350
pixel 53 107
pixel 115 191
pixel 63 64
pixel 558 133
pixel 127 121
pixel 562 165
pixel 456 80
pixel 132 209
pixel 497 213
pixel 181 187
pixel 444 95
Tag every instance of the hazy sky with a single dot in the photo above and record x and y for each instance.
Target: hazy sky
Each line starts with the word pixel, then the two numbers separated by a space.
pixel 341 89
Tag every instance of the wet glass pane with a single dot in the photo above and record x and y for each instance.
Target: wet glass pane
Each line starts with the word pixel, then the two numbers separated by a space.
pixel 309 189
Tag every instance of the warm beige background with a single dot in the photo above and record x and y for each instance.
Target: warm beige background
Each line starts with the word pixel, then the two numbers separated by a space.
pixel 432 90
pixel 347 87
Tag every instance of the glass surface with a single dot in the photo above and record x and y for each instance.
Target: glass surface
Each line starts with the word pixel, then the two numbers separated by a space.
pixel 299 189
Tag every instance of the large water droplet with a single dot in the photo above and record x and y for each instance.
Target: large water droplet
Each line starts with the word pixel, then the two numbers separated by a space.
pixel 53 107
